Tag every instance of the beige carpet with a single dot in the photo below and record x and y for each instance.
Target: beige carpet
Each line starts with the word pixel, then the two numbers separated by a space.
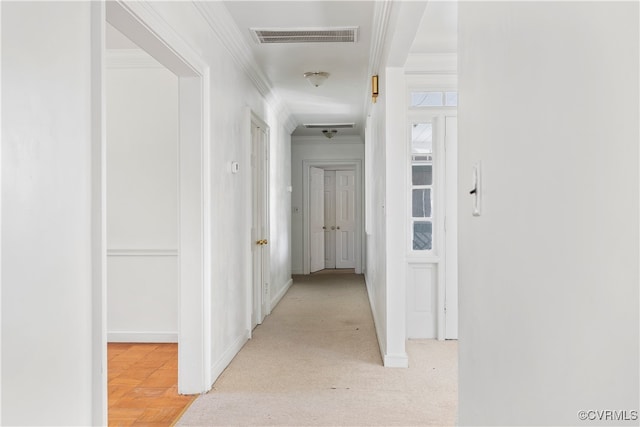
pixel 316 361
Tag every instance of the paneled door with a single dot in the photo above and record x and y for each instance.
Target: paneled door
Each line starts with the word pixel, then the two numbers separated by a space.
pixel 260 221
pixel 316 219
pixel 329 219
pixel 345 222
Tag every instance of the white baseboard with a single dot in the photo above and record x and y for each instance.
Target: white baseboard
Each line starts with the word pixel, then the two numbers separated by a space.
pixel 297 271
pixel 400 360
pixel 381 339
pixel 276 299
pixel 150 337
pixel 227 356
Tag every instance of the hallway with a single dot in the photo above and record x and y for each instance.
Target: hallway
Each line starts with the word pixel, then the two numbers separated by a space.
pixel 316 361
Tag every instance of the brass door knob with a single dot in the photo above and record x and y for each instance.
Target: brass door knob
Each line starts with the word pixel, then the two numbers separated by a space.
pixel 338 227
pixel 264 242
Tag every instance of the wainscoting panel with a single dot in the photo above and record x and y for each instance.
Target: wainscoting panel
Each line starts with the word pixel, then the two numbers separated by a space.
pixel 422 300
pixel 142 296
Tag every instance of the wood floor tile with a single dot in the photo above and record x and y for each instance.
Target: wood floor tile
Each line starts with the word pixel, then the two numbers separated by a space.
pixel 143 386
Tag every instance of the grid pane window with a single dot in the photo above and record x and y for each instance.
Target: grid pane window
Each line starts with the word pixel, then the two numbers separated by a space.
pixel 422 183
pixel 422 235
pixel 421 201
pixel 422 174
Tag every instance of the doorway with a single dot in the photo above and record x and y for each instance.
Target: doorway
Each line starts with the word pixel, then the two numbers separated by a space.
pixel 332 215
pixel 148 32
pixel 339 218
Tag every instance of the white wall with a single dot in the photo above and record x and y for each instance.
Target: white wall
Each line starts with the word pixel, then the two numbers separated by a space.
pixel 280 212
pixel 313 148
pixel 46 214
pixel 231 92
pixel 376 255
pixel 549 272
pixel 142 199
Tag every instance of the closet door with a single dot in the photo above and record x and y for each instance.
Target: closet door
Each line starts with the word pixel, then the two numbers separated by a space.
pixel 345 219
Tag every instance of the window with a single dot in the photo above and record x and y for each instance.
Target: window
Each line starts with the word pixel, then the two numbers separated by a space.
pixel 422 186
pixel 434 99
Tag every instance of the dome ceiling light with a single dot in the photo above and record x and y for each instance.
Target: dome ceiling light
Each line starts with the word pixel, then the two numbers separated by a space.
pixel 329 133
pixel 316 78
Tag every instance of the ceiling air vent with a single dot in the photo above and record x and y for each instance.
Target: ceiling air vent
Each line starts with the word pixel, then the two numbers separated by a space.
pixel 330 126
pixel 306 35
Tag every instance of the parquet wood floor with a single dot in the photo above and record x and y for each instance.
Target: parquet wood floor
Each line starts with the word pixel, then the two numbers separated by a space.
pixel 143 385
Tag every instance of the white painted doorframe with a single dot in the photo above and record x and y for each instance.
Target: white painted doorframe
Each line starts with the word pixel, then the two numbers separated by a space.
pixel 356 164
pixel 148 30
pixel 259 294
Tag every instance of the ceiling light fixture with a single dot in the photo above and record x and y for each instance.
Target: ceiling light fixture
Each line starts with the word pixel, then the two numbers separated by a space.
pixel 316 78
pixel 329 133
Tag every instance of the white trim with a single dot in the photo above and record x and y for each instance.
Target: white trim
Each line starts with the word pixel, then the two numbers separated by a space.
pixel 137 252
pixel 431 63
pixel 396 360
pixel 141 23
pixel 148 337
pixel 222 24
pixel 382 343
pixel 356 164
pixel 99 401
pixel 381 15
pixel 278 297
pixel 130 58
pixel 220 365
pixel 297 271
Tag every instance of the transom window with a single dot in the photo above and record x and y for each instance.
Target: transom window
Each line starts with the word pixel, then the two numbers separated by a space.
pixel 434 99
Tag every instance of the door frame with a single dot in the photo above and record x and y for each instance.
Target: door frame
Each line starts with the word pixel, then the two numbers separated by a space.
pixel 252 119
pixel 356 164
pixel 147 29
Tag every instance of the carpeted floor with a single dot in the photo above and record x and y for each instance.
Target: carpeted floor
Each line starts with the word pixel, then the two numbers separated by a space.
pixel 316 361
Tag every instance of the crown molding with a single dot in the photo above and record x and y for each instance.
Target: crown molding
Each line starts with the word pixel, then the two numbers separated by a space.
pixel 381 15
pixel 130 58
pixel 223 26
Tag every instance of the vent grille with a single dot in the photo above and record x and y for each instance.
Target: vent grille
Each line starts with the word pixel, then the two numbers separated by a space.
pixel 330 126
pixel 305 35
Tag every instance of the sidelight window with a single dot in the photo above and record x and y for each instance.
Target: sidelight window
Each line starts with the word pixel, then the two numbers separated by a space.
pixel 422 186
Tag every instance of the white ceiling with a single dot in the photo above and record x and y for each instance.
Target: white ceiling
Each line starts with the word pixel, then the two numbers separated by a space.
pixel 341 98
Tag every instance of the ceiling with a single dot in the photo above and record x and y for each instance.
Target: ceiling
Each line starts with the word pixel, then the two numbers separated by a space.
pixel 343 97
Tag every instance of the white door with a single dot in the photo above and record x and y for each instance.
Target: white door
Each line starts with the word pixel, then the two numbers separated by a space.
pixel 329 219
pixel 316 219
pixel 260 224
pixel 345 219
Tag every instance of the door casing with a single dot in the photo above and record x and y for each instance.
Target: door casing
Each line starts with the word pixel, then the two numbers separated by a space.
pixel 145 28
pixel 259 292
